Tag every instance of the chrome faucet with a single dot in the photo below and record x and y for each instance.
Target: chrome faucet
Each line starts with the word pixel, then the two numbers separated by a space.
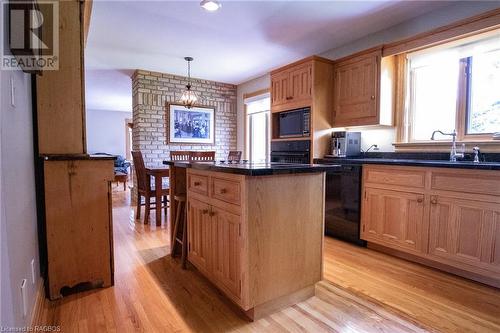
pixel 476 154
pixel 453 152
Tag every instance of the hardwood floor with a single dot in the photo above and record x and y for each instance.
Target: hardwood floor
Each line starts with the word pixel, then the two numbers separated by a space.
pixel 366 292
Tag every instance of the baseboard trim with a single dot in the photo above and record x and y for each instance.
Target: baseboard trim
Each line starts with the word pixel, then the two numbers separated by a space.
pixel 37 313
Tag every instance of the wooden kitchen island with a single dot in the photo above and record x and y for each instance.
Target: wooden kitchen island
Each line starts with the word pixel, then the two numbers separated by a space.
pixel 255 230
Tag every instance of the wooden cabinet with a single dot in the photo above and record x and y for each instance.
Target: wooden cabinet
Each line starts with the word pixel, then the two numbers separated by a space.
pixel 60 94
pixel 226 240
pixel 307 83
pixel 357 90
pixel 280 85
pixel 447 216
pixel 292 85
pixel 247 239
pixel 465 232
pixel 78 223
pixel 199 224
pixel 394 218
pixel 214 230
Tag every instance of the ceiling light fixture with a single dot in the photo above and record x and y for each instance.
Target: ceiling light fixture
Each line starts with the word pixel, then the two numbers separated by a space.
pixel 210 5
pixel 189 98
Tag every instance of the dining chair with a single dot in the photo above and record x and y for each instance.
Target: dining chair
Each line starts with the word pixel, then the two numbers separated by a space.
pixel 234 156
pixel 202 156
pixel 180 155
pixel 146 189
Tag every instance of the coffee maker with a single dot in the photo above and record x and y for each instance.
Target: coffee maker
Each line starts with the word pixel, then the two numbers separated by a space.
pixel 346 144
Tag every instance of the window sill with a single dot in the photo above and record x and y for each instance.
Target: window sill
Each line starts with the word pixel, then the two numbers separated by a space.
pixel 487 146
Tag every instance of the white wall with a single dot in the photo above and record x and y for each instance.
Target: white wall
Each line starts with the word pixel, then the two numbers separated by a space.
pixel 19 243
pixel 248 87
pixel 384 137
pixel 106 131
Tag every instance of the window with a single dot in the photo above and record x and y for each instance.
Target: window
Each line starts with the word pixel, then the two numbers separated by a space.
pixel 455 87
pixel 257 127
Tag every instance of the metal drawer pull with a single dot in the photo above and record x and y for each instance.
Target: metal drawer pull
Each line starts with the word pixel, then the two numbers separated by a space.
pixel 223 191
pixel 420 200
pixel 204 211
pixel 434 200
pixel 197 183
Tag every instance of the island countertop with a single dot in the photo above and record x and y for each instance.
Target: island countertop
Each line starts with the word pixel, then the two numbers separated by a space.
pixel 254 169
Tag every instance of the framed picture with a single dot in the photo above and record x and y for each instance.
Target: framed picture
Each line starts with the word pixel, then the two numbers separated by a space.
pixel 195 125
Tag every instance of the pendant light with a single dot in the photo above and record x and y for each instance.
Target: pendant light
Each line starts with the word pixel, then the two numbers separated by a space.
pixel 189 98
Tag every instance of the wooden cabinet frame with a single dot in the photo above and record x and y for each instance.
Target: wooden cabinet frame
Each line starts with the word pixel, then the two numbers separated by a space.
pixel 460 223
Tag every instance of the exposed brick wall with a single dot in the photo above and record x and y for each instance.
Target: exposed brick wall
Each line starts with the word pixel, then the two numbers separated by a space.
pixel 152 91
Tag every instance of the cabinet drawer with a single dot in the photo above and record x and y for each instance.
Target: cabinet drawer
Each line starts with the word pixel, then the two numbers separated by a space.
pixel 482 182
pixel 198 184
pixel 394 176
pixel 226 190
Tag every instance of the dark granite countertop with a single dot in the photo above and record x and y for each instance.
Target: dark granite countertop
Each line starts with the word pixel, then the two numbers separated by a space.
pixel 254 169
pixel 412 162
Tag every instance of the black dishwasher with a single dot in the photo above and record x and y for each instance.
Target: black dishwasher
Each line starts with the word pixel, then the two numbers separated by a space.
pixel 343 203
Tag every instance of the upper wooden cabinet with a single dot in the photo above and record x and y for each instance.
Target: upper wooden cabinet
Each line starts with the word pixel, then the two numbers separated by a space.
pixel 292 86
pixel 305 83
pixel 299 84
pixel 60 93
pixel 358 94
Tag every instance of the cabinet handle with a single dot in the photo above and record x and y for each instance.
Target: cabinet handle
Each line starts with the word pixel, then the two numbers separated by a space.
pixel 434 200
pixel 223 191
pixel 372 97
pixel 197 183
pixel 205 211
pixel 420 200
pixel 211 213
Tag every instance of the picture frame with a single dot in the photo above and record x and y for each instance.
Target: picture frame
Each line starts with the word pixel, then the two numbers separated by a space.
pixel 195 125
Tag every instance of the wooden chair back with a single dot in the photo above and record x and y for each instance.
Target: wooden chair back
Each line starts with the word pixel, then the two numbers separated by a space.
pixel 180 155
pixel 140 171
pixel 234 155
pixel 202 156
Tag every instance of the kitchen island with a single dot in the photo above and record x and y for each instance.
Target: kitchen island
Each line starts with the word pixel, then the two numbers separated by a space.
pixel 255 230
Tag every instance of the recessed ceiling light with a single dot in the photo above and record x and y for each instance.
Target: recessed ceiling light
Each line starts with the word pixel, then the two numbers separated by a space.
pixel 210 5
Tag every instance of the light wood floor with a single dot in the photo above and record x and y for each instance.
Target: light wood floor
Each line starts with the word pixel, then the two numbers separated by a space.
pixel 366 292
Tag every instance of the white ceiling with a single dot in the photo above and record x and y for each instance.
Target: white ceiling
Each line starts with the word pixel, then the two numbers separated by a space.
pixel 241 41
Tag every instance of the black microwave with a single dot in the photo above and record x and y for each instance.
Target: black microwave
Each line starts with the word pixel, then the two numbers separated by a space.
pixel 294 123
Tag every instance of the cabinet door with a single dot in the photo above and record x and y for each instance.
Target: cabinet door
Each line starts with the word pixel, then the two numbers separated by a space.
pixel 356 91
pixel 226 243
pixel 465 231
pixel 394 219
pixel 300 83
pixel 280 83
pixel 199 229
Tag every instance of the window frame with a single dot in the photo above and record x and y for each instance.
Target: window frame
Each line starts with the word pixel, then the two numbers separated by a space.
pixel 404 117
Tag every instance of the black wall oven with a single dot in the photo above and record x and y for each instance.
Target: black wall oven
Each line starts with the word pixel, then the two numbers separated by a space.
pixel 291 151
pixel 343 203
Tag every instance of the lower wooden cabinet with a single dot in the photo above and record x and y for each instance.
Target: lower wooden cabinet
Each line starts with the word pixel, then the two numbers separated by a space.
pixel 214 247
pixel 199 224
pixel 78 222
pixel 226 261
pixel 394 218
pixel 250 242
pixel 465 232
pixel 459 228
